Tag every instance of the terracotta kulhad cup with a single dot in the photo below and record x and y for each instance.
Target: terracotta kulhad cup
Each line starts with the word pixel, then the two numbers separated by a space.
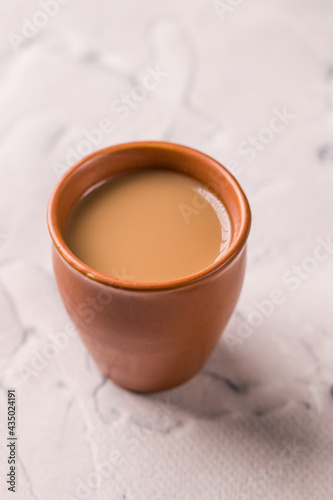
pixel 149 336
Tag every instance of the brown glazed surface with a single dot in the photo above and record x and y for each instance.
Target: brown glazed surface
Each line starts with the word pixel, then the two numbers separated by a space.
pixel 149 336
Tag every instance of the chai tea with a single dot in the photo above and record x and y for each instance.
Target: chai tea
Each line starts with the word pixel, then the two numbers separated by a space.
pixel 148 226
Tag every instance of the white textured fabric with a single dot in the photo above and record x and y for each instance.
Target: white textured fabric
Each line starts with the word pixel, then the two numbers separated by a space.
pixel 251 85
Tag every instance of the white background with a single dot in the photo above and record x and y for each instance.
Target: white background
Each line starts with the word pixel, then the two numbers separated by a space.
pixel 221 436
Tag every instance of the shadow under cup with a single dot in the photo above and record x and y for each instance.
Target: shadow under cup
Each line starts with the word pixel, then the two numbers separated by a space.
pixel 149 336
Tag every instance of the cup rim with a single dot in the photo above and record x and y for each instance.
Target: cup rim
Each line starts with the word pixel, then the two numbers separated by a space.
pixel 235 247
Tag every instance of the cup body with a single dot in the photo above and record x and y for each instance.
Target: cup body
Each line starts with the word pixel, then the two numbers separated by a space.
pixel 149 336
